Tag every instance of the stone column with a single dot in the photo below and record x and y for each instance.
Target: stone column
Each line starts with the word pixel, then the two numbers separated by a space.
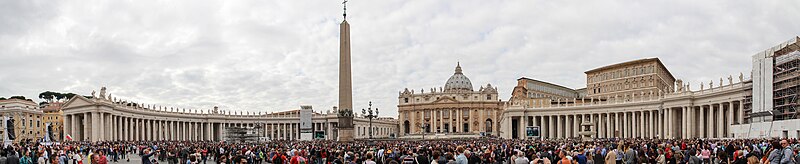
pixel 624 125
pixel 552 129
pixel 729 122
pixel 113 128
pixel 125 128
pixel 616 132
pixel 741 112
pixel 95 130
pixel 670 129
pixel 566 126
pixel 709 121
pixel 701 119
pixel 575 125
pixel 134 124
pixel 720 120
pixel 559 127
pixel 650 122
pixel 606 125
pixel 76 135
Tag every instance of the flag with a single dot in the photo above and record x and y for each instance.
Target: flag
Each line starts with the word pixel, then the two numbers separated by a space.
pixel 68 137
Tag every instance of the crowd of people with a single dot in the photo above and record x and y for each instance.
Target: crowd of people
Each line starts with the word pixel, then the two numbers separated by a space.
pixel 472 151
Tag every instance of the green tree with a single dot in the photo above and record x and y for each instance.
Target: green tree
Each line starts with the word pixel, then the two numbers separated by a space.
pixel 17 97
pixel 48 95
pixel 68 96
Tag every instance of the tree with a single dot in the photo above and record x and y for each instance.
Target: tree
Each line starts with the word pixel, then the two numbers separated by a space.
pixel 17 97
pixel 43 103
pixel 68 96
pixel 48 95
pixel 3 98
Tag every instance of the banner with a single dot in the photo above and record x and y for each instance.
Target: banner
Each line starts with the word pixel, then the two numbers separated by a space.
pixel 48 134
pixel 532 131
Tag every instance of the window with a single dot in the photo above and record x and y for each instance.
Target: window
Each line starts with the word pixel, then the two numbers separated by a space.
pixel 405 100
pixel 488 97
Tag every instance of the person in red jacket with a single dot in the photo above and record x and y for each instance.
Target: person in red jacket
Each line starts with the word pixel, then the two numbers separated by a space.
pixel 298 158
pixel 279 157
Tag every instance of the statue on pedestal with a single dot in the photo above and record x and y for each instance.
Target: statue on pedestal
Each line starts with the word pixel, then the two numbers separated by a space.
pixel 741 77
pixel 102 92
pixel 730 79
pixel 711 84
pixel 702 86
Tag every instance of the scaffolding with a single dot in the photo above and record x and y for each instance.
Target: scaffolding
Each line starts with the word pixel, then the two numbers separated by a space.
pixel 244 134
pixel 786 83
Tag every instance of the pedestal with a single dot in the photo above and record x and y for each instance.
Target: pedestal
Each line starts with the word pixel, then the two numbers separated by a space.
pixel 345 135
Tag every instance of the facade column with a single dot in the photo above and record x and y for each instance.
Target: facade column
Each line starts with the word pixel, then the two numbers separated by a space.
pixel 568 126
pixel 562 119
pixel 125 128
pixel 625 127
pixel 684 123
pixel 102 126
pixel 576 125
pixel 701 119
pixel 720 120
pixel 607 126
pixel 642 124
pixel 617 124
pixel 709 121
pixel 95 127
pixel 729 122
pixel 75 128
pixel 551 129
pixel 670 129
pixel 134 129
pixel 115 127
pixel 741 112
pixel 651 124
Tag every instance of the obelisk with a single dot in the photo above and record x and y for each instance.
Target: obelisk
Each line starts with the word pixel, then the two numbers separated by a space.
pixel 345 83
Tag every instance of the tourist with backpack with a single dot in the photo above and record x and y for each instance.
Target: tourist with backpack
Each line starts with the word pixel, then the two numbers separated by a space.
pixel 298 158
pixel 787 155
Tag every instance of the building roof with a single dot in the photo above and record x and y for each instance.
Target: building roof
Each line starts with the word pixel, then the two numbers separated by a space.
pixel 632 62
pixel 547 83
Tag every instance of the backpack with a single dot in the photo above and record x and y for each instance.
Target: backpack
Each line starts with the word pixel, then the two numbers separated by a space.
pixel 301 160
pixel 791 160
pixel 278 159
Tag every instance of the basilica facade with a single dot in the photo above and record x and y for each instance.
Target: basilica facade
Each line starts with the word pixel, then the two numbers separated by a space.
pixel 455 111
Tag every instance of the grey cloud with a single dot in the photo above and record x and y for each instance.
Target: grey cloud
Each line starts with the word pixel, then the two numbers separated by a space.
pixel 263 56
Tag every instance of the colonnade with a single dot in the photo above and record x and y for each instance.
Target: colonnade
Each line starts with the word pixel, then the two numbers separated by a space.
pixel 101 126
pixel 443 121
pixel 711 120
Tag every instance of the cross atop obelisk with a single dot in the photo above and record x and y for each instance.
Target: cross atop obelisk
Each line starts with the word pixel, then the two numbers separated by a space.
pixel 345 84
pixel 344 12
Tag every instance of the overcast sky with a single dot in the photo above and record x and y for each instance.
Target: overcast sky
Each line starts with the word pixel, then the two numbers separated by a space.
pixel 266 56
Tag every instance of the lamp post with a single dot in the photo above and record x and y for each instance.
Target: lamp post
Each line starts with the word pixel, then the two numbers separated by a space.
pixel 367 113
pixel 422 130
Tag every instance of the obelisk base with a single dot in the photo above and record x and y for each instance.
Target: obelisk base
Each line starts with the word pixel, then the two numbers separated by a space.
pixel 345 135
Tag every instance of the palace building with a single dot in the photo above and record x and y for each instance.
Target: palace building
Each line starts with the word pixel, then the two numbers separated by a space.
pixel 638 98
pixel 455 111
pixel 642 99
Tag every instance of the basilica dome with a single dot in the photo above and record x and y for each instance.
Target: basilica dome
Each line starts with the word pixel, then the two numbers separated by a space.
pixel 458 82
